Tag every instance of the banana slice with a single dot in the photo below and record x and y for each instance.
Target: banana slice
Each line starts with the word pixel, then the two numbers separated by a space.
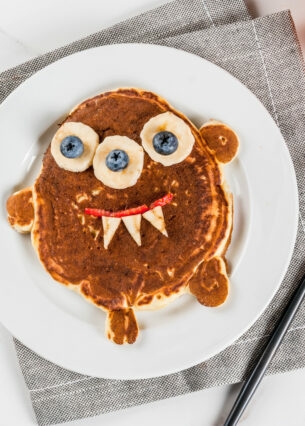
pixel 167 122
pixel 122 178
pixel 89 139
pixel 110 225
pixel 156 218
pixel 133 226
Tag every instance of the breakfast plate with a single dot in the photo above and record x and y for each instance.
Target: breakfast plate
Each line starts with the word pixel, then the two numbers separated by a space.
pixel 55 322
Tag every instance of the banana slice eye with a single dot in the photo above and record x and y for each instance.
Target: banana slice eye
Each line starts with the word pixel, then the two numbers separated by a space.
pixel 73 146
pixel 167 139
pixel 118 162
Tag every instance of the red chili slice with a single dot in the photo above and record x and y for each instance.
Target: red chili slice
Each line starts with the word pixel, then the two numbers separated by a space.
pixel 162 201
pixel 134 210
pixel 121 213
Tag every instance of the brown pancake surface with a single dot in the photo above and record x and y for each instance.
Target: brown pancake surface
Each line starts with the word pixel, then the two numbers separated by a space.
pixel 70 243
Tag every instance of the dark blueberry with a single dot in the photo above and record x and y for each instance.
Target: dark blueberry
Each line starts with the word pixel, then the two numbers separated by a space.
pixel 71 147
pixel 165 143
pixel 117 160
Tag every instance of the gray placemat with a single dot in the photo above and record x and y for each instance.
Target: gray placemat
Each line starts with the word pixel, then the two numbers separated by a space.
pixel 264 54
pixel 176 17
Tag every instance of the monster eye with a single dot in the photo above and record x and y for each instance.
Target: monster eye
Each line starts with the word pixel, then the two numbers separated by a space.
pixel 118 162
pixel 73 146
pixel 165 143
pixel 167 139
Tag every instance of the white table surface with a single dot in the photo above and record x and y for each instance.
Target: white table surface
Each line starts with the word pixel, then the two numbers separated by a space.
pixel 32 27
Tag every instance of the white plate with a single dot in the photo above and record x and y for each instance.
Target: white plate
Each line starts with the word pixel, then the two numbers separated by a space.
pixel 57 323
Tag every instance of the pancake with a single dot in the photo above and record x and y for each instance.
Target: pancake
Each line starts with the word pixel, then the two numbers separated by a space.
pixel 139 237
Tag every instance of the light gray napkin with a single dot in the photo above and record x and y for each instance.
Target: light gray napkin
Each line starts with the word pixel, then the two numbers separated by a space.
pixel 264 55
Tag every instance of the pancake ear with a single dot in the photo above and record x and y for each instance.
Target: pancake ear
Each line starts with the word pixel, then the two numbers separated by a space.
pixel 20 211
pixel 210 284
pixel 221 139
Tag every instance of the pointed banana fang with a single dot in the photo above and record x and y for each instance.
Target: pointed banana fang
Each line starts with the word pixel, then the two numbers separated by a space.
pixel 156 218
pixel 133 224
pixel 110 225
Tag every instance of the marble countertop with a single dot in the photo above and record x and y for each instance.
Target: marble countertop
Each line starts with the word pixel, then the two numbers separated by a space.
pixel 30 28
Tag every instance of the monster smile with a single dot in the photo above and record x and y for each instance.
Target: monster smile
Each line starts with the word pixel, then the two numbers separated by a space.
pixel 132 219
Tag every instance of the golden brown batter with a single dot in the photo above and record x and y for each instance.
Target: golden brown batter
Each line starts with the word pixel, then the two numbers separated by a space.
pixel 125 275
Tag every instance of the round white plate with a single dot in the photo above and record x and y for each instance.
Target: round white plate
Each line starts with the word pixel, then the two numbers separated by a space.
pixel 56 322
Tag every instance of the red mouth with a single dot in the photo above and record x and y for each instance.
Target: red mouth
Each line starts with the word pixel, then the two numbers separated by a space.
pixel 132 211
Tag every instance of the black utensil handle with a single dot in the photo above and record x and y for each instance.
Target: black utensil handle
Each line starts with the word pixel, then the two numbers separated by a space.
pixel 259 370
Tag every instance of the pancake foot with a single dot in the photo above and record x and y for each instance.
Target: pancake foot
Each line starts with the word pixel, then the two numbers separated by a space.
pixel 221 140
pixel 121 326
pixel 210 284
pixel 20 210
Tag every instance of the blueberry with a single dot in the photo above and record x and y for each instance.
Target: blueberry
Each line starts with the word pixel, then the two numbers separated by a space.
pixel 165 143
pixel 117 160
pixel 71 147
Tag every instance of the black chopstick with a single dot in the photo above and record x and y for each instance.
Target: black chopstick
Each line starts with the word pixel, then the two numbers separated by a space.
pixel 251 384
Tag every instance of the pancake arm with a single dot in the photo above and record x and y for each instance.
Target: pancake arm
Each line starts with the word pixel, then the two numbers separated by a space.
pixel 20 210
pixel 121 326
pixel 210 283
pixel 221 140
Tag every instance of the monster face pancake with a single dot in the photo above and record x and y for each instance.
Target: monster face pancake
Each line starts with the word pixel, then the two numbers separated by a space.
pixel 130 208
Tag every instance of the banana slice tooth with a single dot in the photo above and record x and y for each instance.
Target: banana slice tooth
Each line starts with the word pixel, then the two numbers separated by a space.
pixel 89 138
pixel 122 178
pixel 110 225
pixel 168 121
pixel 156 218
pixel 133 225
